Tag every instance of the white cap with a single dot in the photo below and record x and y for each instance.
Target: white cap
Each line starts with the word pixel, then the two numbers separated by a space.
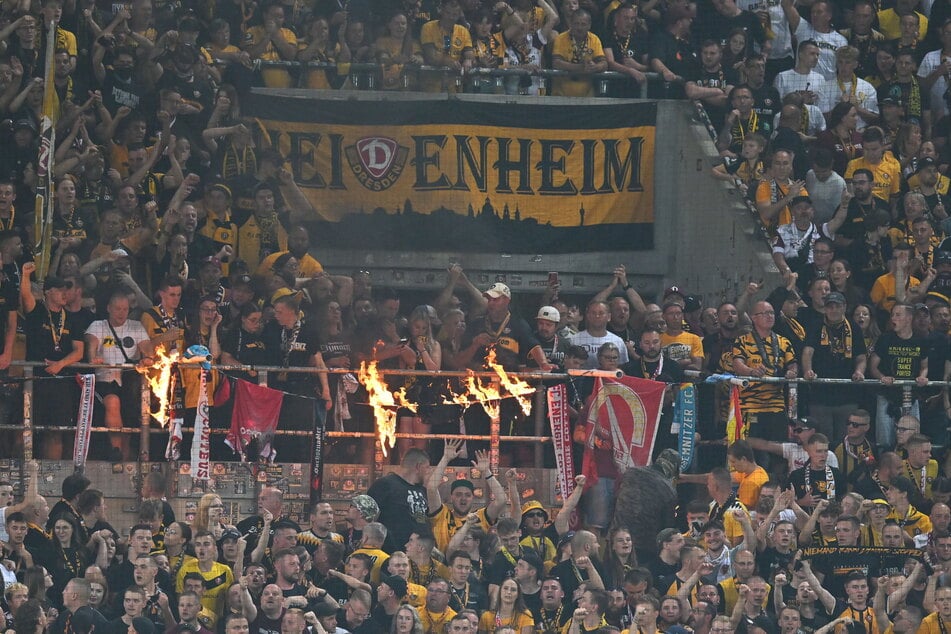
pixel 498 290
pixel 549 313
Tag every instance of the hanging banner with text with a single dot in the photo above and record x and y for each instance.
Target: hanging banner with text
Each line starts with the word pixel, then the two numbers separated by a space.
pixel 469 175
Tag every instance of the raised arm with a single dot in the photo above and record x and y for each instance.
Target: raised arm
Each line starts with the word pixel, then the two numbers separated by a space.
pixel 569 505
pixel 450 451
pixel 825 597
pixel 498 500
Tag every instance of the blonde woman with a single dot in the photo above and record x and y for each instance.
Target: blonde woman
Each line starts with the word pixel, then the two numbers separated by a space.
pixel 420 352
pixel 210 516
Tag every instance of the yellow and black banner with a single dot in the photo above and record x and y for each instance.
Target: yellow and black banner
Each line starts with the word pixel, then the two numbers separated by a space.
pixel 471 176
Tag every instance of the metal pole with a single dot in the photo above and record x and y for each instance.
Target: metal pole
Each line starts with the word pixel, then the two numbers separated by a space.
pixel 540 418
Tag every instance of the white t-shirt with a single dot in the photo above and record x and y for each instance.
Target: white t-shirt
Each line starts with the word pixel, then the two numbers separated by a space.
pixel 790 81
pixel 797 457
pixel 828 43
pixel 129 335
pixel 593 344
pixel 826 196
pixel 939 106
pixel 831 94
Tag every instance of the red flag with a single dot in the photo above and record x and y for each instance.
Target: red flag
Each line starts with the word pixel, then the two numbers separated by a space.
pixel 734 419
pixel 621 421
pixel 255 415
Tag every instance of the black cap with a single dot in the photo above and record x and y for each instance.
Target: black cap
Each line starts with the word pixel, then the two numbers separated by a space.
pixel 230 533
pixel 462 483
pixel 942 257
pixel 799 199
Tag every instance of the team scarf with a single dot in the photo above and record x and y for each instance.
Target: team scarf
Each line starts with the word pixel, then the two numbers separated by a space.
pixel 875 558
pixel 173 448
pixel 201 441
pixel 87 383
pixel 839 345
pixel 685 412
pixel 830 482
pixel 561 437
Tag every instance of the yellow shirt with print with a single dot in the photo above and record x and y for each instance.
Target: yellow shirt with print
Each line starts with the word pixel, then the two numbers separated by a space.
pixel 453 45
pixel 273 77
pixel 249 241
pixel 220 575
pixel 444 523
pixel 309 267
pixel 378 558
pixel 564 47
pixel 436 623
pixel 883 290
pixel 887 175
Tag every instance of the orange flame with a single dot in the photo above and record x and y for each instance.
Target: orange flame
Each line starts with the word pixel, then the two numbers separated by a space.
pixel 159 377
pixel 384 403
pixel 489 395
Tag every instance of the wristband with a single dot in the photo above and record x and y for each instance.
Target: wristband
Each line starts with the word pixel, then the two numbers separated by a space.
pixel 626 287
pixel 490 476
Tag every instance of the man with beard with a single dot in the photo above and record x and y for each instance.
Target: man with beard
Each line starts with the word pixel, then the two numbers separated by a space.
pixel 856 452
pixel 652 363
pixel 546 332
pixel 862 206
pixel 445 519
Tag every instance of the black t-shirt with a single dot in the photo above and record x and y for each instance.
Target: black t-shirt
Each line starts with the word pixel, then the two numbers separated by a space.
pixel 818 483
pixel 403 506
pixel 245 347
pixel 766 103
pixel 289 348
pixel 900 358
pixel 854 225
pixel 9 296
pixel 832 358
pixel 474 596
pixel 513 336
pixel 264 625
pixel 771 561
pixel 677 55
pixel 50 336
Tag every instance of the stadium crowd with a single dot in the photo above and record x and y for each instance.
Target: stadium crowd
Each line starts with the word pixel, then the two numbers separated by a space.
pixel 176 224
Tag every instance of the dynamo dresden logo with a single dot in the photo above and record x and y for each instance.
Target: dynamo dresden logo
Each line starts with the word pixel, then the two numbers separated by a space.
pixel 377 161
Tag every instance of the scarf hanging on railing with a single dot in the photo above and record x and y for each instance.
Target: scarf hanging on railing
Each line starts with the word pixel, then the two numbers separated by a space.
pixel 201 450
pixel 685 413
pixel 561 437
pixel 173 449
pixel 87 383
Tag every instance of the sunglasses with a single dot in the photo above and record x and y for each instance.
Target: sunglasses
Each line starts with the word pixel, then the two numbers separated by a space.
pixel 853 423
pixel 535 514
pixel 799 430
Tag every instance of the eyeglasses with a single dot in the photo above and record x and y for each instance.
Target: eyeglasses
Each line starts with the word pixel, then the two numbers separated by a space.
pixel 539 513
pixel 904 429
pixel 768 313
pixel 799 430
pixel 853 423
pixel 438 591
pixel 822 252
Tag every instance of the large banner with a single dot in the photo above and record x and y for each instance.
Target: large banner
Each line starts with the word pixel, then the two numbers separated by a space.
pixel 621 421
pixel 444 174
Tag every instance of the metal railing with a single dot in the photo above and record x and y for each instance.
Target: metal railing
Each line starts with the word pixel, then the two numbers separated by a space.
pixel 500 81
pixel 540 433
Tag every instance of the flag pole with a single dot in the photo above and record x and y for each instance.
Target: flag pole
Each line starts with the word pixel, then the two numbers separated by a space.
pixel 43 209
